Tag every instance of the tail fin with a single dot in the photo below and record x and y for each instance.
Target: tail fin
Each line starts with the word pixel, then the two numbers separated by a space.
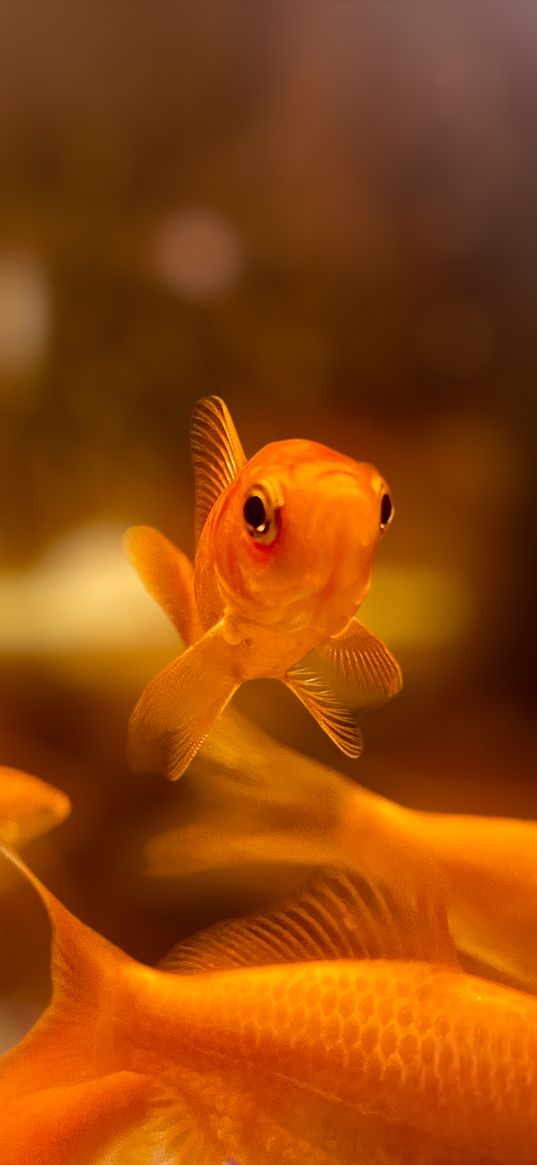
pixel 73 1040
pixel 68 1091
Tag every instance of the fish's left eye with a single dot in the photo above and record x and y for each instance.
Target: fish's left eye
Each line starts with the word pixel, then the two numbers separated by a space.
pixel 260 515
pixel 386 511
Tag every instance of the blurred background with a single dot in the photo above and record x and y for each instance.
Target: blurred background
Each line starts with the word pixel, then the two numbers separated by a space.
pixel 325 213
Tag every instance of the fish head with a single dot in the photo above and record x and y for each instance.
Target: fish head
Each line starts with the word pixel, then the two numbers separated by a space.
pixel 295 535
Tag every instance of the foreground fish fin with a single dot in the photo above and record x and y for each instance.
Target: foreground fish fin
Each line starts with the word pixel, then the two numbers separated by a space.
pixel 362 664
pixel 67 1096
pixel 77 1124
pixel 73 1035
pixel 338 723
pixel 217 454
pixel 337 914
pixel 168 575
pixel 29 807
pixel 178 708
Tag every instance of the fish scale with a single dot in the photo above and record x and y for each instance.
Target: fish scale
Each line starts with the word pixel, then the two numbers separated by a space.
pixel 312 1027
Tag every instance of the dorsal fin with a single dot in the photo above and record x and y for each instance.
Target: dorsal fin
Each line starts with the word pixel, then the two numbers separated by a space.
pixel 337 914
pixel 217 454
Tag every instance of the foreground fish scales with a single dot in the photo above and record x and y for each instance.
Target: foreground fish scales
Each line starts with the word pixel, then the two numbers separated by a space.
pixel 285 546
pixel 336 1029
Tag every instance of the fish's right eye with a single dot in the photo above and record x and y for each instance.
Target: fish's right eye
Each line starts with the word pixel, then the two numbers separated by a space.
pixel 260 515
pixel 255 514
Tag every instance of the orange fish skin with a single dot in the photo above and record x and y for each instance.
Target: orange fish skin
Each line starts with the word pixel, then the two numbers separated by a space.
pixel 291 595
pixel 339 1061
pixel 445 1063
pixel 426 1065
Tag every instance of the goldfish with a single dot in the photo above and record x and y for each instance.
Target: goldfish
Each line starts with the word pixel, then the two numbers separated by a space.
pixel 284 556
pixel 265 803
pixel 255 800
pixel 29 807
pixel 335 1028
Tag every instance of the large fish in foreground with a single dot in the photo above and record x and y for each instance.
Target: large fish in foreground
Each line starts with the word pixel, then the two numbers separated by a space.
pixel 336 1029
pixel 285 546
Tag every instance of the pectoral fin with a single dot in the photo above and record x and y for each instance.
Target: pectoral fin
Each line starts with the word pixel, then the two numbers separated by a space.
pixel 361 666
pixel 338 723
pixel 178 708
pixel 168 575
pixel 217 454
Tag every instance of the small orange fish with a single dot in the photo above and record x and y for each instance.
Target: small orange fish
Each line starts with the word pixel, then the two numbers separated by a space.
pixel 336 1029
pixel 285 546
pixel 28 807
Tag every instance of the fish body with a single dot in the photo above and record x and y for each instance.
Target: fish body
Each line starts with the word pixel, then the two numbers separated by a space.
pixel 336 1029
pixel 284 557
pixel 418 1063
pixel 304 586
pixel 257 801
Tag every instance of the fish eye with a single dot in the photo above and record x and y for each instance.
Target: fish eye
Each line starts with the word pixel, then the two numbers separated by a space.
pixel 386 511
pixel 260 515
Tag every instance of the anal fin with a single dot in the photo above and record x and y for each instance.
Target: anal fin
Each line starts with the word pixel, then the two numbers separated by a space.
pixel 76 1124
pixel 336 720
pixel 217 454
pixel 177 709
